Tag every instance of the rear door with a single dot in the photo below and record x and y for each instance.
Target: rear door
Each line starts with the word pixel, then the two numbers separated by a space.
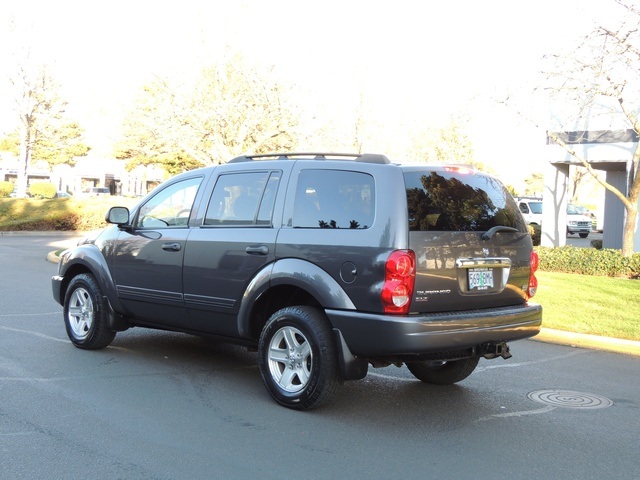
pixel 459 265
pixel 236 239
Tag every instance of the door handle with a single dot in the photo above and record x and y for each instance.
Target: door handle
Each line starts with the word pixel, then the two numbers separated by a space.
pixel 257 250
pixel 171 247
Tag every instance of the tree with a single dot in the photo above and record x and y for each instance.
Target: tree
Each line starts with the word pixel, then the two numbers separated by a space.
pixel 600 78
pixel 151 131
pixel 446 144
pixel 230 109
pixel 60 146
pixel 43 133
pixel 534 184
pixel 577 179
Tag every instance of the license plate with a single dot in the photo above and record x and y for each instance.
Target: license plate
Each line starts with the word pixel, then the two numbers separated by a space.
pixel 480 278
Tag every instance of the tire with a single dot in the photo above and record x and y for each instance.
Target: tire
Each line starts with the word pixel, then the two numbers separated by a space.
pixel 443 373
pixel 584 235
pixel 85 314
pixel 297 358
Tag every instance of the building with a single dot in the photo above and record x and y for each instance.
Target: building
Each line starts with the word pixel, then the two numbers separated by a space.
pixel 89 172
pixel 609 151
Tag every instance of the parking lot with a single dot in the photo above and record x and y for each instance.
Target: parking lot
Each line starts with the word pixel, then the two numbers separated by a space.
pixel 159 405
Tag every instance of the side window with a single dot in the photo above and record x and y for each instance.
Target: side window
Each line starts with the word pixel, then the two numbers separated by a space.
pixel 170 207
pixel 243 199
pixel 523 207
pixel 334 199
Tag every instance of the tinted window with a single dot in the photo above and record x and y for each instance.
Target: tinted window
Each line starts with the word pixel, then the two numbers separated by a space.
pixel 243 199
pixel 171 206
pixel 333 199
pixel 455 201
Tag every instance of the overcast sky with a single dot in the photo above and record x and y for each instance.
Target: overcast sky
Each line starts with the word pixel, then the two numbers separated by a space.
pixel 416 60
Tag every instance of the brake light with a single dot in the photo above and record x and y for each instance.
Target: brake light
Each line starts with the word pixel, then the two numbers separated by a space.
pixel 465 170
pixel 399 281
pixel 533 267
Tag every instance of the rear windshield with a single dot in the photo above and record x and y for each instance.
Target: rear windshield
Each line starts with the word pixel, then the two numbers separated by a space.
pixel 456 201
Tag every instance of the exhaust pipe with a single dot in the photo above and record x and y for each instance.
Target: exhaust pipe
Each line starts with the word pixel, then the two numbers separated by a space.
pixel 494 350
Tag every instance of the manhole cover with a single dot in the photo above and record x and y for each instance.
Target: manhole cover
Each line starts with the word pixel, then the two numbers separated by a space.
pixel 569 399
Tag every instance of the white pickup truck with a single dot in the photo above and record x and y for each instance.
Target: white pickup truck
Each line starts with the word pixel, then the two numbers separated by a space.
pixel 531 208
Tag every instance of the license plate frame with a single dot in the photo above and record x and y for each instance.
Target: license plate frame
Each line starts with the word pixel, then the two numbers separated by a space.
pixel 480 279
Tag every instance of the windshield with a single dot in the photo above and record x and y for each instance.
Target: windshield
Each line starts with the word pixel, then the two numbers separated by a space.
pixel 536 207
pixel 572 210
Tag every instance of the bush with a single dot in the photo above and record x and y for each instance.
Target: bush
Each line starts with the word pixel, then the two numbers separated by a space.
pixel 42 190
pixel 536 233
pixel 586 261
pixel 596 244
pixel 6 189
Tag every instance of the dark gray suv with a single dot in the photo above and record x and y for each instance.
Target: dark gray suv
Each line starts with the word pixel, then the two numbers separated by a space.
pixel 324 263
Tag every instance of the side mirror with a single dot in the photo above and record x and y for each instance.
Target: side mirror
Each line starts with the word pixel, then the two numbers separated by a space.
pixel 117 215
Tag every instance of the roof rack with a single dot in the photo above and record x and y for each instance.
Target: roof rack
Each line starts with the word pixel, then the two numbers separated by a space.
pixel 364 157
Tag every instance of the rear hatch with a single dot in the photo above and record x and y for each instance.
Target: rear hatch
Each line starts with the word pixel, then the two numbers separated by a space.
pixel 472 245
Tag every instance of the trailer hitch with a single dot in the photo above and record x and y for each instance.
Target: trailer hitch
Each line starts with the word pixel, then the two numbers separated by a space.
pixel 494 350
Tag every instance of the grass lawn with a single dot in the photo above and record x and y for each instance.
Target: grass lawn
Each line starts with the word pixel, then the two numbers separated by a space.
pixel 590 304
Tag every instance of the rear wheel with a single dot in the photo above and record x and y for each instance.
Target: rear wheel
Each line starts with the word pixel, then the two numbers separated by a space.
pixel 85 314
pixel 443 373
pixel 298 359
pixel 584 235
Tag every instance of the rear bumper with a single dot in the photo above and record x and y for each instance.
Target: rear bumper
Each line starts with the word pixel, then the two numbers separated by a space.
pixel 382 335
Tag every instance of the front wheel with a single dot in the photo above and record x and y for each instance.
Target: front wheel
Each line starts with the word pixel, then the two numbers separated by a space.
pixel 298 359
pixel 85 314
pixel 584 235
pixel 443 373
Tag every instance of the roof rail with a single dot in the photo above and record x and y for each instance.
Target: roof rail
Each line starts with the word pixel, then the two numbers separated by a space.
pixel 365 157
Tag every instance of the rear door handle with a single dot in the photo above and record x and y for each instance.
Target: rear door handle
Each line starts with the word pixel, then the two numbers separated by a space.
pixel 171 247
pixel 257 250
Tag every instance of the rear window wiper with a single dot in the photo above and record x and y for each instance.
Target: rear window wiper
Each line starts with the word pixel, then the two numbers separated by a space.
pixel 498 228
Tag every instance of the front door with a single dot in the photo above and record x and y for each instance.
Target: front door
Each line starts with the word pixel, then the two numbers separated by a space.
pixel 148 258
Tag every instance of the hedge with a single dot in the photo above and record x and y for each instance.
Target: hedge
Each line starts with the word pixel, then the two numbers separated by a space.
pixel 6 189
pixel 42 190
pixel 588 261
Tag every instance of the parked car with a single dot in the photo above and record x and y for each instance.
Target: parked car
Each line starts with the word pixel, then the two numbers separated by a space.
pixel 531 208
pixel 99 191
pixel 577 222
pixel 325 264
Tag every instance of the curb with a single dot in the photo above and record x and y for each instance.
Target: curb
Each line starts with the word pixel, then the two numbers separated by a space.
pixel 583 340
pixel 53 257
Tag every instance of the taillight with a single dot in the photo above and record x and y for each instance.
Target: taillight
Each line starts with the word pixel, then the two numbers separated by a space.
pixel 399 280
pixel 533 267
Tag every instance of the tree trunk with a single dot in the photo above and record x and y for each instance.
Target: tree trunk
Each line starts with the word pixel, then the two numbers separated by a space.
pixel 629 229
pixel 23 162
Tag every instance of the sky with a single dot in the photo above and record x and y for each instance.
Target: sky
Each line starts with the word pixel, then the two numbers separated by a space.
pixel 413 62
